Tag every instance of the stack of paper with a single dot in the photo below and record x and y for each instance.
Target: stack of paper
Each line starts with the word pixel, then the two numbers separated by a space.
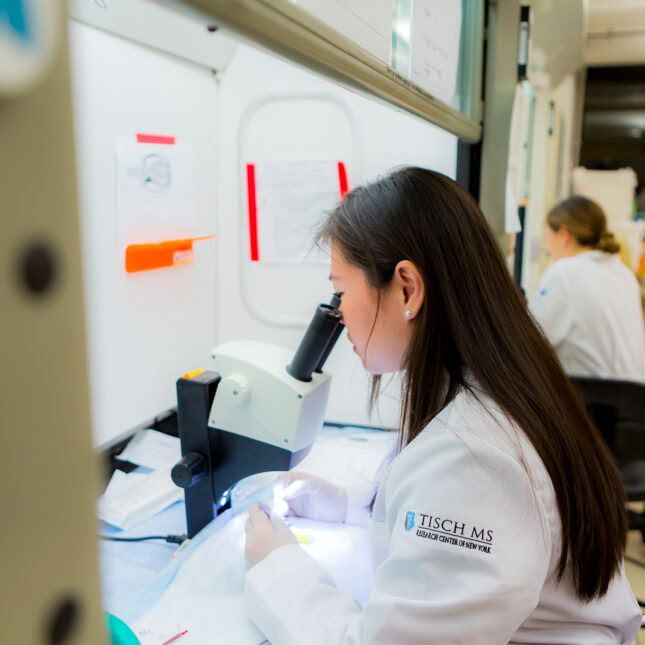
pixel 152 449
pixel 132 498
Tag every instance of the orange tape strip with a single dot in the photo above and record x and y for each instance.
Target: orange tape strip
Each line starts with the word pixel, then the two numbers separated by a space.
pixel 144 257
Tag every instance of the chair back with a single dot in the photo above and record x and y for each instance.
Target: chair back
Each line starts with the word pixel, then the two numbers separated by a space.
pixel 618 410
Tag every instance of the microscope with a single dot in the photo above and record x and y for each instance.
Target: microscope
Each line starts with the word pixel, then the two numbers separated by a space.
pixel 259 410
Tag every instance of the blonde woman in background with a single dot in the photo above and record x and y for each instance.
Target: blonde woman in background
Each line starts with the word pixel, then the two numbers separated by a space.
pixel 588 301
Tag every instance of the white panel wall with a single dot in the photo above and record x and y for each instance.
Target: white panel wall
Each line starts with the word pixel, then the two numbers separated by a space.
pixel 153 24
pixel 385 139
pixel 144 329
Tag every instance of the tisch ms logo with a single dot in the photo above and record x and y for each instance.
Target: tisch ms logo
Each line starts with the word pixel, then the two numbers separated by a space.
pixel 449 531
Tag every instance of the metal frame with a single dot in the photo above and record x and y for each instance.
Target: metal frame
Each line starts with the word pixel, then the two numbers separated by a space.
pixel 50 583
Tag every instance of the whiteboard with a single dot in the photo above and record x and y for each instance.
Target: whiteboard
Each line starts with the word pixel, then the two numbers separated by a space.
pixel 434 46
pixel 366 22
pixel 145 329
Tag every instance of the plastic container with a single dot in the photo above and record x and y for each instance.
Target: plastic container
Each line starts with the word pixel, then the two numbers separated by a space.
pixel 120 633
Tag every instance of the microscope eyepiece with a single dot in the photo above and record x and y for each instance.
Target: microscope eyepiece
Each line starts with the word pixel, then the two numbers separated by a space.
pixel 335 300
pixel 316 343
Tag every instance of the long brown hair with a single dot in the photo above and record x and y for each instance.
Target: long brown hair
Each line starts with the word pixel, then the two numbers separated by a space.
pixel 474 320
pixel 586 221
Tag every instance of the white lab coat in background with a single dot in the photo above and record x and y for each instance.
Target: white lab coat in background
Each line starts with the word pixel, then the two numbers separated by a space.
pixel 589 308
pixel 475 564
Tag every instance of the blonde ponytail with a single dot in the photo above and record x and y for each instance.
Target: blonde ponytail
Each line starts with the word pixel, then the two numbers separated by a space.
pixel 607 243
pixel 586 221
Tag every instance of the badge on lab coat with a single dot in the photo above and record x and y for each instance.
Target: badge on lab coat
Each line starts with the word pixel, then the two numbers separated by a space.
pixel 409 521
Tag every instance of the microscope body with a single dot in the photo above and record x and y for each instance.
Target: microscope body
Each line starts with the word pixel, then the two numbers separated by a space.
pixel 258 399
pixel 259 410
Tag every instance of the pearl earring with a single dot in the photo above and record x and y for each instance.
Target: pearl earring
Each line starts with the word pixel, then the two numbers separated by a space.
pixel 408 313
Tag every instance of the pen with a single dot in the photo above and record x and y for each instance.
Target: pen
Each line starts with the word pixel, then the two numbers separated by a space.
pixel 174 638
pixel 265 508
pixel 180 548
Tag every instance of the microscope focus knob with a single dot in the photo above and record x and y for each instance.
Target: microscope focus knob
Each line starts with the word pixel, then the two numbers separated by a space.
pixel 234 390
pixel 189 470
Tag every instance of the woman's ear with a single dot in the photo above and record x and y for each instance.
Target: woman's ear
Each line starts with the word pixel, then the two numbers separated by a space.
pixel 409 283
pixel 565 236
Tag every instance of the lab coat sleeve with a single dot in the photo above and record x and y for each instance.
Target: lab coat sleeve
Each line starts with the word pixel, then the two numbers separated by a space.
pixel 430 590
pixel 359 499
pixel 551 306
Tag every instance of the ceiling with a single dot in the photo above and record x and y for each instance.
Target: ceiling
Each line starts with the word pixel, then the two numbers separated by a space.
pixel 615 32
pixel 613 130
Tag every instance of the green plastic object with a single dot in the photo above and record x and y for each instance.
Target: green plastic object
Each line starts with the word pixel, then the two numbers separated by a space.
pixel 120 633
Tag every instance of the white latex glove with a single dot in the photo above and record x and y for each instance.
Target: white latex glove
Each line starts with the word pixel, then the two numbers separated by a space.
pixel 265 534
pixel 308 496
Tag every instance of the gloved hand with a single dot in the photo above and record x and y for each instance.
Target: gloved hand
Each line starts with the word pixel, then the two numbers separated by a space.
pixel 265 534
pixel 304 495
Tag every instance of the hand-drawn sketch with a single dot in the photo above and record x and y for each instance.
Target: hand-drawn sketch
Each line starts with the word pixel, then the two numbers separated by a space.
pixel 154 172
pixel 155 190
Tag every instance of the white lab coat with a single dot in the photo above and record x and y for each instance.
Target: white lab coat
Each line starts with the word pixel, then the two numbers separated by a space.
pixel 483 572
pixel 589 308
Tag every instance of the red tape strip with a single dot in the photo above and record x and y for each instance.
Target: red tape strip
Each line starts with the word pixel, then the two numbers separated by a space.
pixel 253 212
pixel 155 138
pixel 342 178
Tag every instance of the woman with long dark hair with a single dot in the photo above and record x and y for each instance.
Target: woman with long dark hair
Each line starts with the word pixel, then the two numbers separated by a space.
pixel 588 302
pixel 501 518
